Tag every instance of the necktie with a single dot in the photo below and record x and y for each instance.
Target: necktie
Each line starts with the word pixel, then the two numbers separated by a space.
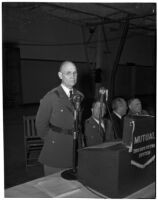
pixel 70 95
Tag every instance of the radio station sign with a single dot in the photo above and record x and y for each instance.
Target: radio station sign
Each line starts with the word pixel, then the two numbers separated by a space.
pixel 144 141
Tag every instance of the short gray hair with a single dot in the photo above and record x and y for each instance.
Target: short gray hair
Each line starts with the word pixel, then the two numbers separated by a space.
pixel 116 102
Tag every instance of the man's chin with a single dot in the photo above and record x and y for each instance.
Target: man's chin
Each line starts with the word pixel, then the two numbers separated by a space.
pixel 73 84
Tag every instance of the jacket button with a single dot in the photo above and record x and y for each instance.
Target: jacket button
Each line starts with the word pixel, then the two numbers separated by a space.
pixel 53 142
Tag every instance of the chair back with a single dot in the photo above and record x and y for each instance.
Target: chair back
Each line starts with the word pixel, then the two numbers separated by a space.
pixel 29 126
pixel 33 143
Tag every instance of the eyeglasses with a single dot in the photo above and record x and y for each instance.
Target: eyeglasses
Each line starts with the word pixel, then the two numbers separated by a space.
pixel 70 74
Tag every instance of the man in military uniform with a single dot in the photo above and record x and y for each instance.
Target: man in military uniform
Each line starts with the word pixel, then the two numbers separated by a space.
pixel 93 133
pixel 55 121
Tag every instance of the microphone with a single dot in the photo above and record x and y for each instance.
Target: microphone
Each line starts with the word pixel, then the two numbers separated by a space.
pixel 103 91
pixel 106 94
pixel 77 98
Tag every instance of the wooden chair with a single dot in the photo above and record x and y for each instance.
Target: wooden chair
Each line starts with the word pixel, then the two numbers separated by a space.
pixel 33 143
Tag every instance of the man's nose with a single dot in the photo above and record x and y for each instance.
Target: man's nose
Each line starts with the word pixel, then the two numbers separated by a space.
pixel 73 75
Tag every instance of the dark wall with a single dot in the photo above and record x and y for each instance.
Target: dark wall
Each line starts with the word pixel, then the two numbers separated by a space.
pixel 135 80
pixel 40 76
pixel 11 75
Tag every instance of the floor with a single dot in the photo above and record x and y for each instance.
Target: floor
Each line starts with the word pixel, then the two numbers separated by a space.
pixel 15 171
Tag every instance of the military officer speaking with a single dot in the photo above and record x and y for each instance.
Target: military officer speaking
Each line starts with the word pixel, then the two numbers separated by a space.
pixel 55 121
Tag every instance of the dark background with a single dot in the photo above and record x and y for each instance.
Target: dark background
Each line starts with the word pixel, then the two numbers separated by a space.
pixel 36 39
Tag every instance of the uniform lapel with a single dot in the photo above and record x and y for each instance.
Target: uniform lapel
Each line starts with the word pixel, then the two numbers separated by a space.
pixel 94 122
pixel 102 134
pixel 65 99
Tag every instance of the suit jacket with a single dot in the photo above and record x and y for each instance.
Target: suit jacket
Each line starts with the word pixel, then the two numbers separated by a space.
pixel 92 135
pixel 56 109
pixel 117 125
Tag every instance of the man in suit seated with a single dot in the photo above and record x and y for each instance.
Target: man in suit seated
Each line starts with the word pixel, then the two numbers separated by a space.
pixel 115 128
pixel 95 131
pixel 135 107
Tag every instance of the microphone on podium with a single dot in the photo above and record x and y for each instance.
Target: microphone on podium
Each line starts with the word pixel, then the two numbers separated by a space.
pixel 102 92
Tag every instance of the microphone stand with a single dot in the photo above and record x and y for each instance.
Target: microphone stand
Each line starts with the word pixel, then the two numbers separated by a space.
pixel 102 91
pixel 115 135
pixel 71 174
pixel 100 115
pixel 75 137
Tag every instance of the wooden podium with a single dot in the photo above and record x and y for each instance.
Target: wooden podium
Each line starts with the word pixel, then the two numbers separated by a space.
pixel 107 169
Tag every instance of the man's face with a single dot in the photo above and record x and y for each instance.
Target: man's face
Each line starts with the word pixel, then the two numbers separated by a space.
pixel 96 110
pixel 136 106
pixel 123 107
pixel 68 75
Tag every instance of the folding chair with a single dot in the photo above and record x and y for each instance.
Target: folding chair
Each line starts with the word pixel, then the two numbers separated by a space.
pixel 33 143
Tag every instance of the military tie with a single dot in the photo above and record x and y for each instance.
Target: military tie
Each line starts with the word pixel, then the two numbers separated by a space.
pixel 70 95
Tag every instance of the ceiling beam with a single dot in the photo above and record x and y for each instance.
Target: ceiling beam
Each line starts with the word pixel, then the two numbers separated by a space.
pixel 73 10
pixel 102 19
pixel 131 15
pixel 65 19
pixel 120 21
pixel 114 8
pixel 106 20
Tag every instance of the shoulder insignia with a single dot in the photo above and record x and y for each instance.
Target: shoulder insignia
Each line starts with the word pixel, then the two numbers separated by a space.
pixel 94 126
pixel 57 93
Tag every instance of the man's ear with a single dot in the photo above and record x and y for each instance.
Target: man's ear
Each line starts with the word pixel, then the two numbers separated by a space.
pixel 130 107
pixel 60 75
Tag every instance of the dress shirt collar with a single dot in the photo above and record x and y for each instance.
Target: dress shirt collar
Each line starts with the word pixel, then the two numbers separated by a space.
pixel 98 121
pixel 119 116
pixel 102 123
pixel 66 90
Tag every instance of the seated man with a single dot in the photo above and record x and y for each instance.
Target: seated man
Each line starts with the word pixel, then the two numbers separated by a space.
pixel 115 128
pixel 135 107
pixel 93 134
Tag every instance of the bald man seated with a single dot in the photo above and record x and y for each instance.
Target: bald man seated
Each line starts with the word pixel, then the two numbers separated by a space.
pixel 119 109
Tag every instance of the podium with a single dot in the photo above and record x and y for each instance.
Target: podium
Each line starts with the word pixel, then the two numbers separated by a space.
pixel 107 169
